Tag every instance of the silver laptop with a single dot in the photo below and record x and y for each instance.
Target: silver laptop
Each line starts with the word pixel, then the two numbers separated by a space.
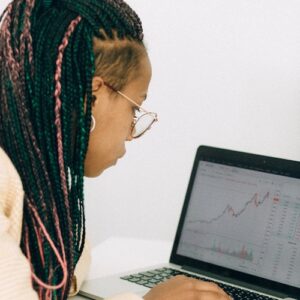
pixel 239 227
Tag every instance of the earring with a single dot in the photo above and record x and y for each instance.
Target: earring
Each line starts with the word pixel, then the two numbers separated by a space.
pixel 93 124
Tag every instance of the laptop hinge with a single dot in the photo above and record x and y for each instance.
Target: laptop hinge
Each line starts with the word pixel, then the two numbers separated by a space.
pixel 234 281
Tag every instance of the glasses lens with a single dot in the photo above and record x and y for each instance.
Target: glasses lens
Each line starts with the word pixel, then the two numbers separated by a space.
pixel 143 123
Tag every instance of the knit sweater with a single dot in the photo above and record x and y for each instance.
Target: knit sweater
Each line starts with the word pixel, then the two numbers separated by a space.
pixel 15 273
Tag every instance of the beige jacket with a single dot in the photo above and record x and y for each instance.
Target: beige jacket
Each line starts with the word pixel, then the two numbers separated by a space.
pixel 15 275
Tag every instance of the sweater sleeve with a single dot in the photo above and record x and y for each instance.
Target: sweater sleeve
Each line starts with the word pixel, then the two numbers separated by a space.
pixel 15 275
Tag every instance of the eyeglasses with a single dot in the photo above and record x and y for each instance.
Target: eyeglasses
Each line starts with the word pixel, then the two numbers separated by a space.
pixel 141 123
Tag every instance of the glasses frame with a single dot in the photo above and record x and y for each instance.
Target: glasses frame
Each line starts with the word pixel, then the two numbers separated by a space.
pixel 136 119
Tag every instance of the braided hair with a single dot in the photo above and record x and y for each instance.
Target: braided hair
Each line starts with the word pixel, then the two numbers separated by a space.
pixel 49 52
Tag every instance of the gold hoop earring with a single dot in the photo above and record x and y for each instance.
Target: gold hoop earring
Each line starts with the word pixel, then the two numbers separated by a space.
pixel 93 124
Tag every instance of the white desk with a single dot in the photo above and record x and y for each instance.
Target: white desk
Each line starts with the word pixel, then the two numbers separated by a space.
pixel 119 254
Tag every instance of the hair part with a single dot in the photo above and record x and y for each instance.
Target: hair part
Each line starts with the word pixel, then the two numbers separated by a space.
pixel 118 61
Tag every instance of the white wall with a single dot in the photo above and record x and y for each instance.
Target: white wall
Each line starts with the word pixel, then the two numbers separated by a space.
pixel 225 73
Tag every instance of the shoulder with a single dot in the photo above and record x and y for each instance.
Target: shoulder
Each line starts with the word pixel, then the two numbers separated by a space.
pixel 11 195
pixel 8 174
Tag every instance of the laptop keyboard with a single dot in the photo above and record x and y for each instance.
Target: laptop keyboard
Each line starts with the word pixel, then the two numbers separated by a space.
pixel 151 278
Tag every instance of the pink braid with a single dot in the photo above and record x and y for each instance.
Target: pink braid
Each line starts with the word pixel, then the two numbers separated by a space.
pixel 40 242
pixel 38 232
pixel 26 35
pixel 52 245
pixel 12 65
pixel 16 25
pixel 57 94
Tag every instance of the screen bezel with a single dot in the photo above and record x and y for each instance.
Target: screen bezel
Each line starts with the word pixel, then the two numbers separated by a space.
pixel 244 160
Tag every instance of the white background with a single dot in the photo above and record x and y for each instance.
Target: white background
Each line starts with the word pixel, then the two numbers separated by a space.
pixel 225 73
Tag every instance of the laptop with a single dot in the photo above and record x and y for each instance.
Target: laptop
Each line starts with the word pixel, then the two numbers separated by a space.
pixel 239 227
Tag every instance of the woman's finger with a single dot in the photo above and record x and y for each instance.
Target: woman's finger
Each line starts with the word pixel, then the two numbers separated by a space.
pixel 208 286
pixel 202 285
pixel 206 295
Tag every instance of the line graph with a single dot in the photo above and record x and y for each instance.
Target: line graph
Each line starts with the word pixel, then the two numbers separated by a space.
pixel 230 204
pixel 232 212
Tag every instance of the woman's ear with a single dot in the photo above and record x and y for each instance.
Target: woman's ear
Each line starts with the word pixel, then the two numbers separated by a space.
pixel 97 83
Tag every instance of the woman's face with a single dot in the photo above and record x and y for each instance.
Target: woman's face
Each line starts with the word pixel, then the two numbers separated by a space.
pixel 114 116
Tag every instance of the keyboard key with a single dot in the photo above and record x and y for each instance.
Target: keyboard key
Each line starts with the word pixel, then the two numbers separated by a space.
pixel 134 279
pixel 150 285
pixel 148 274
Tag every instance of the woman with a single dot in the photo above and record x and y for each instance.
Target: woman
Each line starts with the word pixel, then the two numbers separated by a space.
pixel 74 75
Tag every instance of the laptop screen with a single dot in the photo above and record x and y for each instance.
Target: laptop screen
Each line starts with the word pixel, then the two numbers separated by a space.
pixel 244 220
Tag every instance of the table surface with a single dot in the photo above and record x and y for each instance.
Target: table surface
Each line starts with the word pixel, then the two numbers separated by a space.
pixel 119 254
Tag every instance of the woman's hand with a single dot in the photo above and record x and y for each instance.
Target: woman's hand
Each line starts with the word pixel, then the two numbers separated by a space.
pixel 182 287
